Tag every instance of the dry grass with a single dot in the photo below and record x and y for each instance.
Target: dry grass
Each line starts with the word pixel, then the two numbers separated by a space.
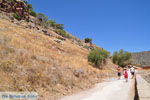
pixel 30 60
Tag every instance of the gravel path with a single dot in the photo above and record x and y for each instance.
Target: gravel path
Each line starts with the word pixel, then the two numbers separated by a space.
pixel 112 90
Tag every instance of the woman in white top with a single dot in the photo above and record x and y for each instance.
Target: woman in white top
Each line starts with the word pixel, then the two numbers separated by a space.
pixel 132 70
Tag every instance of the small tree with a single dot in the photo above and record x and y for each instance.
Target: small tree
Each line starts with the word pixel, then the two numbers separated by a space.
pixel 122 58
pixel 88 40
pixel 43 19
pixel 97 57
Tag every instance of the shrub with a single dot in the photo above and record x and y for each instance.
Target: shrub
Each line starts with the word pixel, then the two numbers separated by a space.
pixel 42 19
pixel 122 58
pixel 62 33
pixel 86 47
pixel 29 6
pixel 16 16
pixel 98 57
pixel 32 13
pixel 88 40
pixel 53 24
pixel 10 0
pixel 59 26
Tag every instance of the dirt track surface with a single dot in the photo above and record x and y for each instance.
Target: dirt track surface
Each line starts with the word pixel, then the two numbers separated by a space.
pixel 111 90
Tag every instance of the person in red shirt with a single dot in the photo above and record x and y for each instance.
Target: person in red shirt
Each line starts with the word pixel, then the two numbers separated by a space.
pixel 126 74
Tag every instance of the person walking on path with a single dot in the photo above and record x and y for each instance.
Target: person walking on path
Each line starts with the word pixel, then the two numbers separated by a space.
pixel 119 72
pixel 132 71
pixel 125 73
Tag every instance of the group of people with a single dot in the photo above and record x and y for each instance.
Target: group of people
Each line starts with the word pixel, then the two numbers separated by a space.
pixel 125 71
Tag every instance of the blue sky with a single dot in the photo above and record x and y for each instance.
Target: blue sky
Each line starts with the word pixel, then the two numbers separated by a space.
pixel 112 24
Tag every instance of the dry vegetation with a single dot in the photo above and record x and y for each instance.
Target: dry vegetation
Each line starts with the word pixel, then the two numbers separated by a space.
pixel 32 61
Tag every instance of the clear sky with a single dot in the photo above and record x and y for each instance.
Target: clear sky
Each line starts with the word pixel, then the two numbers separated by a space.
pixel 112 24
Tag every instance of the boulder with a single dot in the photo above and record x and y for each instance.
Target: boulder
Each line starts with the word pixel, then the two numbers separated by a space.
pixel 79 72
pixel 58 41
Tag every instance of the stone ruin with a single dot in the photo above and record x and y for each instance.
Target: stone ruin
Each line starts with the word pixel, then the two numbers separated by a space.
pixel 18 7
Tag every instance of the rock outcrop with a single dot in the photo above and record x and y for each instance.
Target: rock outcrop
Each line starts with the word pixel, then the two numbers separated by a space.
pixel 141 58
pixel 15 6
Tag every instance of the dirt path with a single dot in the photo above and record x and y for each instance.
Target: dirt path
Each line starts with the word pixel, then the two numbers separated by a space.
pixel 111 90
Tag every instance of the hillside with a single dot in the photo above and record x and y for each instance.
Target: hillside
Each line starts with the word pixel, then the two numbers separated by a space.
pixel 37 59
pixel 141 58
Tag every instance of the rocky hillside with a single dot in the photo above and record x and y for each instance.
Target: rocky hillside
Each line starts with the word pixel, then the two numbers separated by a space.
pixel 38 59
pixel 141 58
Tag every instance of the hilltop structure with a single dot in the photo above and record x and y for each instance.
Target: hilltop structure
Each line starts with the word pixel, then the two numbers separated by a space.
pixel 17 7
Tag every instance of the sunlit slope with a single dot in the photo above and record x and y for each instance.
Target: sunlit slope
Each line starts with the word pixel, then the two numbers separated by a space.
pixel 33 61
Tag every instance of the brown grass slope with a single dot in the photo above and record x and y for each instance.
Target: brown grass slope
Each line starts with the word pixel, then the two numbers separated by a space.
pixel 32 61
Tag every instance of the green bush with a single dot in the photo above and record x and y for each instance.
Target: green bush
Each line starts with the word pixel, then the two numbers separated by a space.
pixel 122 58
pixel 10 0
pixel 88 40
pixel 86 47
pixel 32 13
pixel 59 26
pixel 62 33
pixel 53 24
pixel 16 16
pixel 29 6
pixel 97 57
